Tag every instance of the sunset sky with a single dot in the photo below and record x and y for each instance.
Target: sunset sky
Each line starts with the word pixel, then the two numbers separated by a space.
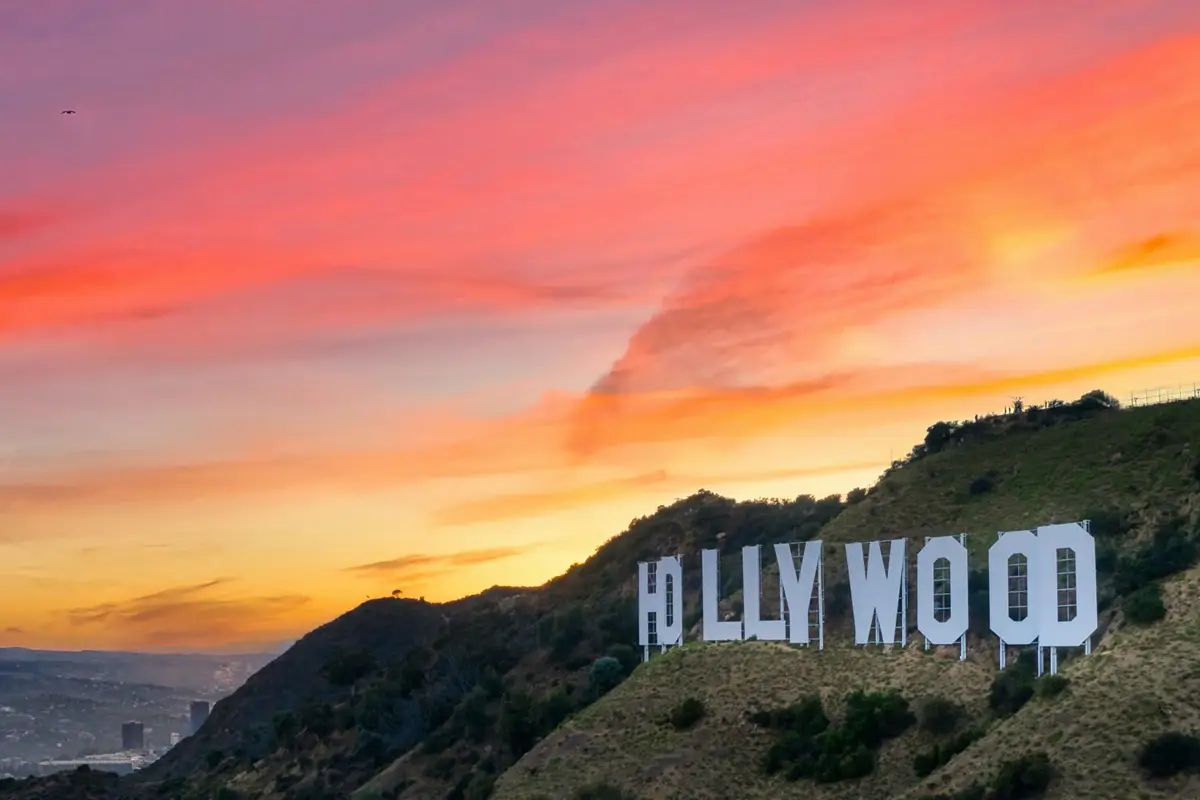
pixel 312 301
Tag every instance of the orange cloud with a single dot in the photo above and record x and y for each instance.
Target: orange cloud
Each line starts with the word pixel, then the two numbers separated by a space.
pixel 418 569
pixel 568 432
pixel 528 504
pixel 1165 249
pixel 190 615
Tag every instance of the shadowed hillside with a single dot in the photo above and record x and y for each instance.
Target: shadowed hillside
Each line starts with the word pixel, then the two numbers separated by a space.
pixel 403 699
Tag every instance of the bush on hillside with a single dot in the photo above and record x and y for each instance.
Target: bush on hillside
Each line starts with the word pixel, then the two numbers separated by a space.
pixel 1145 605
pixel 1172 550
pixel 972 792
pixel 925 762
pixel 1050 685
pixel 1170 754
pixel 606 673
pixel 687 714
pixel 603 791
pixel 940 716
pixel 1013 687
pixel 1024 777
pixel 564 631
pixel 480 787
pixel 856 496
pixel 1196 471
pixel 978 602
pixel 809 747
pixel 348 668
pixel 1108 523
pixel 626 654
pixel 981 485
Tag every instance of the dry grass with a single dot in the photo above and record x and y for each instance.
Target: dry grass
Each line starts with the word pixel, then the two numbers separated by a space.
pixel 1139 683
pixel 626 739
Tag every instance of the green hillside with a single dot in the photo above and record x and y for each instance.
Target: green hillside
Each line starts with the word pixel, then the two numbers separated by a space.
pixel 406 699
pixel 1134 473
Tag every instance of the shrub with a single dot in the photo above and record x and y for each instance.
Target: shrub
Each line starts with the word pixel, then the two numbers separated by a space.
pixel 437 742
pixel 1024 777
pixel 285 726
pixel 1050 685
pixel 1144 606
pixel 1014 686
pixel 566 630
pixel 1170 754
pixel 625 654
pixel 518 727
pixel 603 791
pixel 480 787
pixel 924 763
pixel 1171 550
pixel 1196 471
pixel 605 674
pixel 1106 523
pixel 808 747
pixel 687 714
pixel 981 485
pixel 346 669
pixel 978 602
pixel 939 716
pixel 441 767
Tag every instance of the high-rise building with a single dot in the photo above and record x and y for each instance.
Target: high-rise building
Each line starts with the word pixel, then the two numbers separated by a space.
pixel 133 736
pixel 174 739
pixel 199 714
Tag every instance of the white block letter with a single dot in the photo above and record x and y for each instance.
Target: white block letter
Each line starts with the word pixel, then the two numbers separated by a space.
pixel 768 630
pixel 1014 543
pixel 715 630
pixel 950 630
pixel 875 593
pixel 652 599
pixel 798 585
pixel 1081 547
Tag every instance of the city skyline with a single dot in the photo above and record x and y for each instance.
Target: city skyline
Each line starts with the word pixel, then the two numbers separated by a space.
pixel 304 308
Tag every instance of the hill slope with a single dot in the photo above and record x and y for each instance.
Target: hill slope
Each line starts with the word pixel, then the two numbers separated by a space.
pixel 628 733
pixel 481 681
pixel 1133 472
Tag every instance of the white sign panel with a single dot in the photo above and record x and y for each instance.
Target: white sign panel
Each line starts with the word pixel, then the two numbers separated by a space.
pixel 951 629
pixel 875 589
pixel 660 602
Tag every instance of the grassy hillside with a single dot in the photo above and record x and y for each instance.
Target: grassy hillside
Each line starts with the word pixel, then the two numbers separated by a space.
pixel 628 738
pixel 1141 683
pixel 1134 473
pixel 405 699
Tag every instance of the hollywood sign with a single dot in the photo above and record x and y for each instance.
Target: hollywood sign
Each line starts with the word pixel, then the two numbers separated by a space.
pixel 1041 588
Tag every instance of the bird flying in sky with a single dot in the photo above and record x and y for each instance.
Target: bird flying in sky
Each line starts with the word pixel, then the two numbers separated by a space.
pixel 68 111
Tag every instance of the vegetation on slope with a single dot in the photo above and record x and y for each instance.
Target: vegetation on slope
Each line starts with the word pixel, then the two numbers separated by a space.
pixel 765 703
pixel 481 681
pixel 1132 473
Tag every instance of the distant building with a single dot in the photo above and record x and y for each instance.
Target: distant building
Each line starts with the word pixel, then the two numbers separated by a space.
pixel 174 739
pixel 199 714
pixel 133 737
pixel 120 763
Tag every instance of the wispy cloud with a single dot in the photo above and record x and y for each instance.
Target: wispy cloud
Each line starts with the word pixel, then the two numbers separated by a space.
pixel 423 568
pixel 189 614
pixel 518 505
